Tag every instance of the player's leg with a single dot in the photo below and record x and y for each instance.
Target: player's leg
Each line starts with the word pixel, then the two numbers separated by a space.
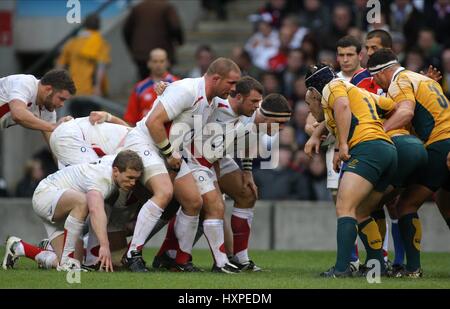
pixel 332 185
pixel 16 248
pixel 242 216
pixel 214 209
pixel 159 183
pixel 431 177
pixel 71 208
pixel 399 250
pixel 352 190
pixel 187 193
pixel 369 232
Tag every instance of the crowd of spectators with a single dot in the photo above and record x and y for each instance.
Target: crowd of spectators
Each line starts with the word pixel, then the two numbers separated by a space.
pixel 289 36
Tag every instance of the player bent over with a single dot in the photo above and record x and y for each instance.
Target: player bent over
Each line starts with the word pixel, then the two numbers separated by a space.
pixel 64 199
pixel 370 158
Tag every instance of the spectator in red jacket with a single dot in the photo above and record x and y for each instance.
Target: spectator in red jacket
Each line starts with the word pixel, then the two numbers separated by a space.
pixel 143 95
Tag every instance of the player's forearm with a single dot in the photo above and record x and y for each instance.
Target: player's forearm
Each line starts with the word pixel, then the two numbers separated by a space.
pixel 117 120
pixel 98 217
pixel 310 121
pixel 320 130
pixel 26 119
pixel 343 117
pixel 157 130
pixel 399 119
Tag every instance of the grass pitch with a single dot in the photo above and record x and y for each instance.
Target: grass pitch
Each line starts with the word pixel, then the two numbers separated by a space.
pixel 282 269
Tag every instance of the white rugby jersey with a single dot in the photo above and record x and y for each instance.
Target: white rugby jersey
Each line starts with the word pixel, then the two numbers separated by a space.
pixel 232 124
pixel 24 88
pixel 182 100
pixel 105 138
pixel 83 178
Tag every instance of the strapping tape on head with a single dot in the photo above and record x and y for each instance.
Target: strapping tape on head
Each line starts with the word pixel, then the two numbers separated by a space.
pixel 380 67
pixel 320 78
pixel 271 114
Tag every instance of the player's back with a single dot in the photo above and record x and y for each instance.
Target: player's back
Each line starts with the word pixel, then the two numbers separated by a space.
pixel 108 137
pixel 431 119
pixel 365 122
pixel 82 178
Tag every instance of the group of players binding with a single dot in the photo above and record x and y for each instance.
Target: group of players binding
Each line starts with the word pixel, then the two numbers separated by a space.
pixel 413 111
pixel 117 181
pixel 392 131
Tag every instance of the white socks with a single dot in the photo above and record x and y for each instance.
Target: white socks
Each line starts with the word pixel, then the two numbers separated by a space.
pixel 47 259
pixel 185 230
pixel 146 220
pixel 213 230
pixel 72 229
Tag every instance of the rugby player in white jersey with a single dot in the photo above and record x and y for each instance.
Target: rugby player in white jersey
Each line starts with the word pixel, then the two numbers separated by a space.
pixel 31 103
pixel 172 116
pixel 242 107
pixel 64 199
pixel 86 139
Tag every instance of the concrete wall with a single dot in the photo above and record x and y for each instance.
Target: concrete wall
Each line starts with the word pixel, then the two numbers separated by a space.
pixel 276 225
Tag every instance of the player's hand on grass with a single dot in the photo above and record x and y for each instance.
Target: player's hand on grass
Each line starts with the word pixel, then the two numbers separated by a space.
pixel 313 144
pixel 160 87
pixel 247 179
pixel 174 161
pixel 433 73
pixel 104 257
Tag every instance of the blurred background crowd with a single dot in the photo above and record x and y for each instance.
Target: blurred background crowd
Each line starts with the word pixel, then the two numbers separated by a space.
pixel 288 36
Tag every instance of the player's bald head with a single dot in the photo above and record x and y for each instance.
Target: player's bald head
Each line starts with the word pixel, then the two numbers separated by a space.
pixel 222 67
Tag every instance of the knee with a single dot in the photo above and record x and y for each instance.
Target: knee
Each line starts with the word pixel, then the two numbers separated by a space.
pixel 193 203
pixel 246 198
pixel 163 194
pixel 214 210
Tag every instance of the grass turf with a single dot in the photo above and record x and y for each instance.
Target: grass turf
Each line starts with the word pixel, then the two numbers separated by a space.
pixel 282 269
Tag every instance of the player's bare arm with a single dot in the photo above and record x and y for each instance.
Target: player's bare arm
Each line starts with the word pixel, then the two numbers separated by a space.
pixel 311 124
pixel 313 143
pixel 102 116
pixel 155 124
pixel 99 224
pixel 343 116
pixel 402 116
pixel 21 115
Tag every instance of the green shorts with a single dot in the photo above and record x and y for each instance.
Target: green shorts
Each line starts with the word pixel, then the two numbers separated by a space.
pixel 375 161
pixel 411 157
pixel 435 173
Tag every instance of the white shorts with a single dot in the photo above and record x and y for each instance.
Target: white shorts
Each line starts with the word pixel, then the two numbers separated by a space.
pixel 69 146
pixel 44 201
pixel 227 165
pixel 154 164
pixel 332 176
pixel 204 177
